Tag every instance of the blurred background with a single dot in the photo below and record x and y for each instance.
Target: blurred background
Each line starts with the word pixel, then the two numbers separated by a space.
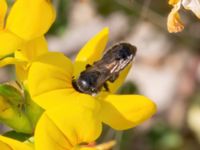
pixel 166 67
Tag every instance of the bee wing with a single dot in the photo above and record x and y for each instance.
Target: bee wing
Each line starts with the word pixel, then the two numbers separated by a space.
pixel 121 64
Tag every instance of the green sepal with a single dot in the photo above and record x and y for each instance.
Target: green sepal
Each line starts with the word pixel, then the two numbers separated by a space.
pixel 32 110
pixel 17 110
pixel 11 94
pixel 17 136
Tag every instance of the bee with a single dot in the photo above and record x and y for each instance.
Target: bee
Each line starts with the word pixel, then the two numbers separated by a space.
pixel 107 69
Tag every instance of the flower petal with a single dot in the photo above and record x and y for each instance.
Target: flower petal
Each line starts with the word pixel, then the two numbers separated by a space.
pixel 87 148
pixel 9 61
pixel 193 5
pixel 21 69
pixel 10 144
pixel 30 19
pixel 92 51
pixel 50 99
pixel 31 50
pixel 9 43
pixel 52 71
pixel 174 23
pixel 67 125
pixel 173 2
pixel 126 111
pixel 3 10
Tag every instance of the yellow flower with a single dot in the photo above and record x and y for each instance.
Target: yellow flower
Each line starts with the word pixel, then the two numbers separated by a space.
pixel 70 126
pixel 50 85
pixel 11 144
pixel 174 22
pixel 27 20
pixel 72 131
pixel 73 119
pixel 23 32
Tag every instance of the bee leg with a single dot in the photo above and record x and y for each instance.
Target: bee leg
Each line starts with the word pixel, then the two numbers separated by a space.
pixel 88 66
pixel 105 85
pixel 113 77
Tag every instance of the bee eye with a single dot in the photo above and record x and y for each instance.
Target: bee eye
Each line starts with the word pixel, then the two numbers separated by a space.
pixel 84 85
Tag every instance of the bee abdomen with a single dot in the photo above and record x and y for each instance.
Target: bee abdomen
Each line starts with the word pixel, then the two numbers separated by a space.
pixel 125 51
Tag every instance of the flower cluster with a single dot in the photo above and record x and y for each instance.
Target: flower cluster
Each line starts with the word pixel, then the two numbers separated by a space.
pixel 44 103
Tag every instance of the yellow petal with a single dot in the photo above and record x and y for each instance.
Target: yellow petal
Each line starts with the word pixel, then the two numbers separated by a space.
pixel 21 69
pixel 52 71
pixel 106 146
pixel 174 23
pixel 11 144
pixel 92 51
pixel 67 125
pixel 87 148
pixel 193 5
pixel 30 19
pixel 126 111
pixel 3 10
pixel 9 43
pixel 4 146
pixel 31 50
pixel 9 61
pixel 173 2
pixel 50 99
pixel 113 87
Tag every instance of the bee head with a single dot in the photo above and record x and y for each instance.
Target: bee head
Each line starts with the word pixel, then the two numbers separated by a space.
pixel 86 83
pixel 84 86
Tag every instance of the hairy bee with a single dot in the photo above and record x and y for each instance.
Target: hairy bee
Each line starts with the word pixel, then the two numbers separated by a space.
pixel 95 76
